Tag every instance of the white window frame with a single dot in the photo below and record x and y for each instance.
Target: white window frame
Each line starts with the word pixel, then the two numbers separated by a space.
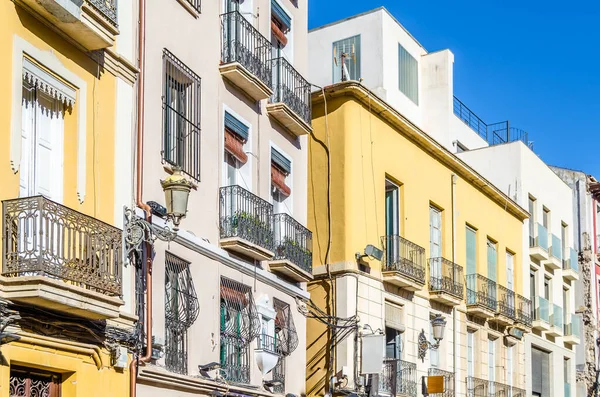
pixel 288 202
pixel 244 173
pixel 50 61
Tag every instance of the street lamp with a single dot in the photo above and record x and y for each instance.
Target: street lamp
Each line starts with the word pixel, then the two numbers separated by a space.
pixel 438 326
pixel 177 191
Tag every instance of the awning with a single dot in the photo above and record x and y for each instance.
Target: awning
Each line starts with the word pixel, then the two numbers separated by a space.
pixel 233 296
pixel 281 161
pixel 236 126
pixel 279 35
pixel 278 180
pixel 281 16
pixel 235 146
pixel 393 316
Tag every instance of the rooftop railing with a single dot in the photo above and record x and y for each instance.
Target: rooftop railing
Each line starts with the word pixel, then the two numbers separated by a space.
pixel 405 257
pixel 44 238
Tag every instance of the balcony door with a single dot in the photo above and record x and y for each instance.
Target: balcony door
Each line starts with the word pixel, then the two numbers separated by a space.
pixel 392 228
pixel 435 242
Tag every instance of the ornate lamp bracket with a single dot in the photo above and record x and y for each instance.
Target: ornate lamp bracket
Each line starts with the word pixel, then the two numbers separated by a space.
pixel 138 232
pixel 425 345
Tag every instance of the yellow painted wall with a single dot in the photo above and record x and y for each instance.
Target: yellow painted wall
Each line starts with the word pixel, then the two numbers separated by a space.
pixel 101 110
pixel 365 150
pixel 80 376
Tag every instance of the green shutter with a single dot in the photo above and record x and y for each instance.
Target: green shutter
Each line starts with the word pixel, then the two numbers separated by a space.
pixel 389 212
pixel 471 251
pixel 492 260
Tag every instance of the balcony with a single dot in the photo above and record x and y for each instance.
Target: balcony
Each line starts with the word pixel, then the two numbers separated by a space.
pixel 448 382
pixel 567 390
pixel 571 266
pixel 398 378
pixel 541 318
pixel 523 312
pixel 554 260
pixel 91 23
pixel 477 387
pixel 572 335
pixel 290 103
pixel 481 296
pixel 556 321
pixel 246 223
pixel 57 258
pixel 538 244
pixel 506 313
pixel 293 249
pixel 245 56
pixel 445 281
pixel 404 263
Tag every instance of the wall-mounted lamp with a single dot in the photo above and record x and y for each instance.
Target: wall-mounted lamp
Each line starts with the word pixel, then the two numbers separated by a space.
pixel 371 251
pixel 438 325
pixel 177 191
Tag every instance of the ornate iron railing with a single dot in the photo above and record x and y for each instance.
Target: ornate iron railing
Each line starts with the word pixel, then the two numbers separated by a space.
pixel 235 359
pixel 445 276
pixel 405 257
pixel 243 43
pixel 278 375
pixel 44 238
pixel 495 133
pixel 398 377
pixel 176 350
pixel 195 4
pixel 108 8
pixel 267 343
pixel 290 88
pixel 448 382
pixel 481 291
pixel 518 392
pixel 506 302
pixel 524 313
pixel 247 216
pixel 293 241
pixel 485 388
pixel 285 328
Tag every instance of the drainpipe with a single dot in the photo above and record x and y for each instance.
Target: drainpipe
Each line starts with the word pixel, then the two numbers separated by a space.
pixel 454 319
pixel 139 202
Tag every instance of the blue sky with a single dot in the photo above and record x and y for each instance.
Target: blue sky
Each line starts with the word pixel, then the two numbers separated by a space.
pixel 535 63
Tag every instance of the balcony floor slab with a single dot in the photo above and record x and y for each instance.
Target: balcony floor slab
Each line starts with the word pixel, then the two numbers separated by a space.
pixel 245 81
pixel 398 279
pixel 244 247
pixel 288 119
pixel 290 270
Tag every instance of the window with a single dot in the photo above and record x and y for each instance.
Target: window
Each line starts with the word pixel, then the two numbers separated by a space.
pixel 492 259
pixel 239 325
pixel 533 291
pixel 510 271
pixel 540 370
pixel 236 136
pixel 566 371
pixel 471 238
pixel 46 101
pixel 346 54
pixel 392 213
pixel 435 243
pixel 181 310
pixel 547 288
pixel 408 75
pixel 546 219
pixel 566 310
pixel 33 383
pixel 532 221
pixel 181 116
pixel 509 365
pixel 281 24
pixel 491 360
pixel 393 343
pixel 281 169
pixel 470 353
pixel 564 236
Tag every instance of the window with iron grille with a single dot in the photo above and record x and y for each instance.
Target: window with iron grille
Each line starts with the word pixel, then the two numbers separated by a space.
pixel 240 325
pixel 181 310
pixel 181 116
pixel 33 383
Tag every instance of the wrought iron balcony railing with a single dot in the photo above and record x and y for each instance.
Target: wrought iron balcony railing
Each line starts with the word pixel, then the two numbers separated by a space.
pixel 405 257
pixel 44 238
pixel 398 377
pixel 247 216
pixel 243 43
pixel 108 8
pixel 445 276
pixel 448 382
pixel 477 387
pixel 506 302
pixel 542 310
pixel 524 312
pixel 267 343
pixel 293 242
pixel 481 291
pixel 290 88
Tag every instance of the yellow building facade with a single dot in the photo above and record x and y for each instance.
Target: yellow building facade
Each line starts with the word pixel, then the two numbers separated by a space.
pixel 66 121
pixel 451 245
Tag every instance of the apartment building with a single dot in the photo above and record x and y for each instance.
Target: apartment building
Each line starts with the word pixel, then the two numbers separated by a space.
pixel 377 50
pixel 452 252
pixel 550 261
pixel 226 106
pixel 67 100
pixel 586 211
